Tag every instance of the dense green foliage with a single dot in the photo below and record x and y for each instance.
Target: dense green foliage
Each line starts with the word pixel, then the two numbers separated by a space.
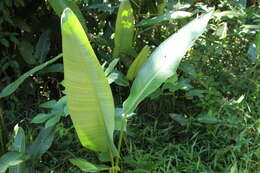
pixel 204 119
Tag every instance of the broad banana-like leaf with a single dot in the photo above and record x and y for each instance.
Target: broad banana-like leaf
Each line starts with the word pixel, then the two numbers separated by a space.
pixel 60 5
pixel 125 28
pixel 138 63
pixel 90 100
pixel 164 61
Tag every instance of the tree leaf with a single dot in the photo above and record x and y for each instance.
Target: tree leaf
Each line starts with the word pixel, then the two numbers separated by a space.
pixel 138 63
pixel 164 61
pixel 49 104
pixel 26 50
pixel 124 31
pixel 42 143
pixel 52 121
pixel 90 100
pixel 11 159
pixel 111 66
pixel 4 42
pixel 14 85
pixel 43 46
pixel 170 15
pixel 87 166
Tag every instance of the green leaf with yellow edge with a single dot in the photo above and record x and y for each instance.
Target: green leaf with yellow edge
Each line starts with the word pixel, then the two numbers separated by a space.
pixel 90 100
pixel 138 63
pixel 124 31
pixel 60 5
pixel 164 61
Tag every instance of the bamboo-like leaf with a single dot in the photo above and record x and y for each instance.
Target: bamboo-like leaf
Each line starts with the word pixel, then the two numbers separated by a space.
pixel 14 85
pixel 19 145
pixel 90 100
pixel 124 31
pixel 164 61
pixel 138 63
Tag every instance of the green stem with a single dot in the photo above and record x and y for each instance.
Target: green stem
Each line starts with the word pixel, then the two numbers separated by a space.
pixel 123 126
pixel 112 162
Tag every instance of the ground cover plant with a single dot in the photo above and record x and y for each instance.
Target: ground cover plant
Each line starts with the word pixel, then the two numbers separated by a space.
pixel 203 117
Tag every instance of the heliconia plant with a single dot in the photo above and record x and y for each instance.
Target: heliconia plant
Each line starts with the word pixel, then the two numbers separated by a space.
pixel 90 100
pixel 89 97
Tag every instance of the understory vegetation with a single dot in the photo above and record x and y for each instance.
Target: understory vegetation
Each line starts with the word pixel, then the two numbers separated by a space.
pixel 202 117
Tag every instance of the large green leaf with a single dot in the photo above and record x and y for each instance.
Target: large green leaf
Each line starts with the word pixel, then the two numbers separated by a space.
pixel 164 61
pixel 14 85
pixel 124 31
pixel 26 50
pixel 90 100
